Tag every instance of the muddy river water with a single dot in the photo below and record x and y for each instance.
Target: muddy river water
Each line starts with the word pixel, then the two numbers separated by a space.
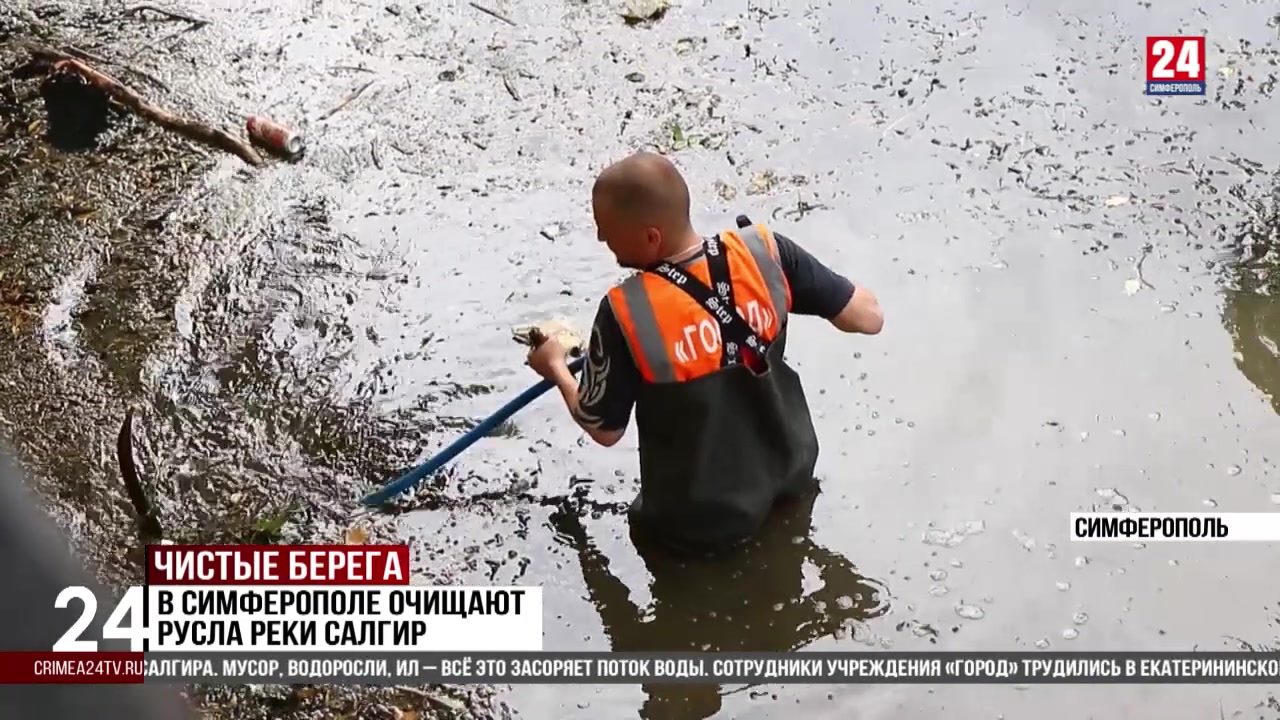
pixel 1047 242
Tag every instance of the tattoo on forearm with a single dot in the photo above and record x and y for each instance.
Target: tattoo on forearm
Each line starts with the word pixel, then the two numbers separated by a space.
pixel 595 381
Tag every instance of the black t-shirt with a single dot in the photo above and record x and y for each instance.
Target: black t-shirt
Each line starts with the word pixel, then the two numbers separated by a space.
pixel 610 378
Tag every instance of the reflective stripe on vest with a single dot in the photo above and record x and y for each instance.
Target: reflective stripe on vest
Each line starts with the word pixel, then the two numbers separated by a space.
pixel 639 323
pixel 672 338
pixel 759 240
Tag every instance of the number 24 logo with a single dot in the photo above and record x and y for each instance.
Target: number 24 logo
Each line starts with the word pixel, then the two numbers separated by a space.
pixel 130 607
pixel 1188 60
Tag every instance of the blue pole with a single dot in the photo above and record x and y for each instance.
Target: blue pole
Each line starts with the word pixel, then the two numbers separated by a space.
pixel 413 477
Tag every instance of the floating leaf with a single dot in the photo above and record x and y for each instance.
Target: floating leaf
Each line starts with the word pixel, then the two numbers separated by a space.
pixel 677 136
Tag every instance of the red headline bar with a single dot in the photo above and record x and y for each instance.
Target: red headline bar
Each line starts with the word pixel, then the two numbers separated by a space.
pixel 278 564
pixel 88 668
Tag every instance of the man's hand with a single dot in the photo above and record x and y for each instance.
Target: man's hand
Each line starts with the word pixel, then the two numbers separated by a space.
pixel 548 359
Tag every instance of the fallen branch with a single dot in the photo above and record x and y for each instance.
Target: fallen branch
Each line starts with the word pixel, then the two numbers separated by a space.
pixel 510 85
pixel 43 58
pixel 76 52
pixel 447 703
pixel 353 68
pixel 168 14
pixel 348 100
pixel 493 13
pixel 1137 267
pixel 147 522
pixel 126 96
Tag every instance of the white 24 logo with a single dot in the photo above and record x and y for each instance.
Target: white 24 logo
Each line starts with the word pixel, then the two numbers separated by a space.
pixel 129 607
pixel 1187 60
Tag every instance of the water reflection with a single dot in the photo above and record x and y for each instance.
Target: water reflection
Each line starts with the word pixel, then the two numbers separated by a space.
pixel 1251 311
pixel 753 600
pixel 1254 322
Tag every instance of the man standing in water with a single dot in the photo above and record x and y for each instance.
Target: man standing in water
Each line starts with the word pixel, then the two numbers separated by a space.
pixel 694 341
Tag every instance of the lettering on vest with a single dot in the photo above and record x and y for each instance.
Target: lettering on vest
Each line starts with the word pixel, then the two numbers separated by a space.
pixel 704 335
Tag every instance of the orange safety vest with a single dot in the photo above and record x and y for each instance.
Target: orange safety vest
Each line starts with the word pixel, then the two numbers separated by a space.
pixel 674 339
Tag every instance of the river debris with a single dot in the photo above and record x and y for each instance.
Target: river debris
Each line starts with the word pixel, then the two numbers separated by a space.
pixel 78 111
pixel 534 335
pixel 762 182
pixel 94 58
pixel 274 137
pixel 347 100
pixel 639 12
pixel 262 523
pixel 1256 240
pixel 799 210
pixel 167 15
pixel 355 535
pixel 148 524
pixel 57 63
pixel 1139 281
pixel 509 83
pixel 493 13
pixel 431 498
pixel 443 701
pixel 674 138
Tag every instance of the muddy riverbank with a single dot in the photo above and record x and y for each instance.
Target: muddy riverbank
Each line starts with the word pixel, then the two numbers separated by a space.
pixel 99 250
pixel 1054 250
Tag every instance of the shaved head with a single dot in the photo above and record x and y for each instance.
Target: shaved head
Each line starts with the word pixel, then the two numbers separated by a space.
pixel 641 204
pixel 646 188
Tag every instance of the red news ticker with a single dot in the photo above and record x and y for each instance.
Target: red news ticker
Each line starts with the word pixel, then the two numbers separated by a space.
pixel 278 565
pixel 71 668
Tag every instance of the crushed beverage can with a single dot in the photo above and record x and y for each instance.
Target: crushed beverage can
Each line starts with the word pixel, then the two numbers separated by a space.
pixel 274 137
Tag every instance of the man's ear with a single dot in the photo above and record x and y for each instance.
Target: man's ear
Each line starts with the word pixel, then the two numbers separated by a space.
pixel 653 237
